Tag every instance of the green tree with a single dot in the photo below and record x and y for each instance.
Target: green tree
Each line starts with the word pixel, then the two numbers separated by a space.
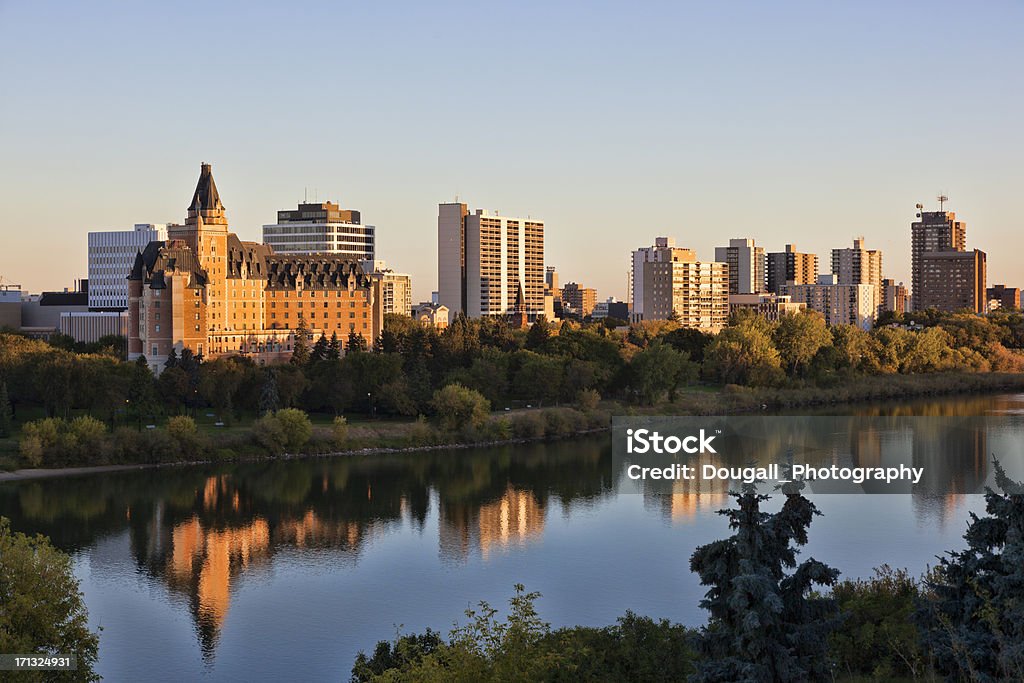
pixel 877 637
pixel 6 419
pixel 270 399
pixel 799 337
pixel 538 334
pixel 333 347
pixel 744 354
pixel 356 343
pixel 319 351
pixel 659 370
pixel 458 407
pixel 300 346
pixel 765 624
pixel 973 623
pixel 43 611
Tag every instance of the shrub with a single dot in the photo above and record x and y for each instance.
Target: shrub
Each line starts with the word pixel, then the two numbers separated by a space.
pixel 458 407
pixel 588 399
pixel 528 425
pixel 877 637
pixel 297 427
pixel 181 427
pixel 421 433
pixel 269 433
pixel 340 430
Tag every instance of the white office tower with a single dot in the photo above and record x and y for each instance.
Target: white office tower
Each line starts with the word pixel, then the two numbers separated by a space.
pixel 111 257
pixel 747 264
pixel 321 228
pixel 484 259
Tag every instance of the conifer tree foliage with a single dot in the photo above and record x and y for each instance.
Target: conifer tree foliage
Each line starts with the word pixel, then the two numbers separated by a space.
pixel 319 352
pixel 270 398
pixel 300 348
pixel 973 622
pixel 765 626
pixel 334 347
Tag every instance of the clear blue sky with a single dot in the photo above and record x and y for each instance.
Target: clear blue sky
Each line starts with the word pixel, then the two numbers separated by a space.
pixel 805 122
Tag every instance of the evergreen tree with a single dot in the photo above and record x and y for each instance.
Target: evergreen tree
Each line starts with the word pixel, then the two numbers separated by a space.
pixel 141 392
pixel 764 625
pixel 172 359
pixel 356 343
pixel 270 399
pixel 319 352
pixel 6 420
pixel 974 621
pixel 300 349
pixel 538 334
pixel 334 347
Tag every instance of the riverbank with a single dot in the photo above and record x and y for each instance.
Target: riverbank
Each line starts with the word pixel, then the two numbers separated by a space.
pixel 559 422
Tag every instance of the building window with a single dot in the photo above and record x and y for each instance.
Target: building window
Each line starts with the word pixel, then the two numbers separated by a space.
pixel 154 350
pixel 156 328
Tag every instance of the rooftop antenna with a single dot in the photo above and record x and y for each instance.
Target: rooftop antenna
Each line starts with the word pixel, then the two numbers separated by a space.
pixel 305 195
pixel 920 209
pixel 942 200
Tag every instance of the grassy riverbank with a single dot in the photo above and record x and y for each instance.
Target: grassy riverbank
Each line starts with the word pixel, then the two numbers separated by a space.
pixel 240 439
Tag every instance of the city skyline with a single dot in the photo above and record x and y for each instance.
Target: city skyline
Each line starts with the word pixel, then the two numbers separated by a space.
pixel 620 126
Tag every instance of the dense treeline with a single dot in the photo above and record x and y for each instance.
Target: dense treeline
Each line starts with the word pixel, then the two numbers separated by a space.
pixel 643 363
pixel 458 375
pixel 771 619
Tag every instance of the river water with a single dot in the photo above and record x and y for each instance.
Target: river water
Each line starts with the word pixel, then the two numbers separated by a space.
pixel 285 570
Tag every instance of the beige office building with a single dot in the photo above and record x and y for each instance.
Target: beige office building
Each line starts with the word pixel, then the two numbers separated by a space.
pixel 675 283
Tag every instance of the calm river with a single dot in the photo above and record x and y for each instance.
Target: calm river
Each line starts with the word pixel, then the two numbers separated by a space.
pixel 285 570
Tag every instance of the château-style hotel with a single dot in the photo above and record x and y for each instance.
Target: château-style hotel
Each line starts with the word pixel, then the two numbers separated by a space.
pixel 208 291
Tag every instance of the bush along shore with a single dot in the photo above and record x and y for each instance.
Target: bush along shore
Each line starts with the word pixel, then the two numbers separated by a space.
pixel 462 420
pixel 771 617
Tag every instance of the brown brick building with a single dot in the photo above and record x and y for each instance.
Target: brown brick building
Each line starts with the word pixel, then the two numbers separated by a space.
pixel 952 281
pixel 206 290
pixel 1008 297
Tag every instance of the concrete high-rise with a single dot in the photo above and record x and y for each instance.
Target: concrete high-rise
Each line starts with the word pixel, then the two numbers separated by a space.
pixel 111 257
pixel 664 247
pixel 934 231
pixel 484 259
pixel 791 266
pixel 841 304
pixel 321 228
pixel 1008 297
pixel 578 299
pixel 859 266
pixel 395 288
pixel 894 296
pixel 746 263
pixel 953 281
pixel 676 284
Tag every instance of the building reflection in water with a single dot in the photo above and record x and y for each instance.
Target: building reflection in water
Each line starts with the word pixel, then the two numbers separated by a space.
pixel 515 518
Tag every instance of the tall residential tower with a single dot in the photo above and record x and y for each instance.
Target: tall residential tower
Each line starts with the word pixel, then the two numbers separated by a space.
pixel 484 259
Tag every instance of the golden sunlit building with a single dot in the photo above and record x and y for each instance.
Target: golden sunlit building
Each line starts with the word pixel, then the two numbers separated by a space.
pixel 208 291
